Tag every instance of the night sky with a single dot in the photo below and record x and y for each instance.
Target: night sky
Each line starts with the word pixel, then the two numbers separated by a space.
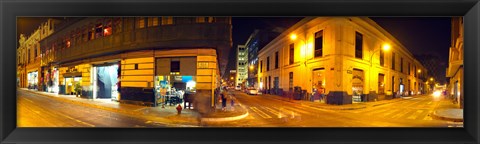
pixel 421 35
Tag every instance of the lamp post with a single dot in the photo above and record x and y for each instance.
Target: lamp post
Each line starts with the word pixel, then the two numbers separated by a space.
pixel 385 47
pixel 293 37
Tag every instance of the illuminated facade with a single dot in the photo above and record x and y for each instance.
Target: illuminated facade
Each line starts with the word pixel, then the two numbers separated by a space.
pixel 242 65
pixel 29 57
pixel 455 65
pixel 350 59
pixel 135 59
pixel 257 40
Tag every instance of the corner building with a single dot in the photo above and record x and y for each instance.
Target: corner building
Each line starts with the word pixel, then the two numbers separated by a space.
pixel 139 59
pixel 341 57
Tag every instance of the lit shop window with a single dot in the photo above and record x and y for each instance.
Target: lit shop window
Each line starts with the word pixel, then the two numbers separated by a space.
pixel 68 43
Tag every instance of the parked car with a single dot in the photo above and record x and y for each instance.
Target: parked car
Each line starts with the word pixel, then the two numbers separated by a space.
pixel 252 91
pixel 238 88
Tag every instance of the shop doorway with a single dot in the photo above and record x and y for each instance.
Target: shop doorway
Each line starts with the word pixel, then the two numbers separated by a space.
pixel 105 78
pixel 357 85
pixel 71 84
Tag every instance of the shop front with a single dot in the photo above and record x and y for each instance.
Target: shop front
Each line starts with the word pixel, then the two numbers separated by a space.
pixel 105 80
pixel 32 78
pixel 175 80
pixel 51 80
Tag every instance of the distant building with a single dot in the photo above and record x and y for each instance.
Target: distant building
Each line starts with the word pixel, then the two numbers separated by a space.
pixel 342 57
pixel 455 65
pixel 257 40
pixel 232 75
pixel 242 65
pixel 29 57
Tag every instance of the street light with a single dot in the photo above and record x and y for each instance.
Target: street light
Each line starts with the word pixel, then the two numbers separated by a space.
pixel 431 79
pixel 251 67
pixel 385 47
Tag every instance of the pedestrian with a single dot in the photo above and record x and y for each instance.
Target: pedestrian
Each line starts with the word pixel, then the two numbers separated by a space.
pixel 232 102
pixel 223 96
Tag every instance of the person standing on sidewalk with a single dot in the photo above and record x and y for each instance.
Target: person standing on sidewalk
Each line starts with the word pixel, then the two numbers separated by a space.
pixel 224 98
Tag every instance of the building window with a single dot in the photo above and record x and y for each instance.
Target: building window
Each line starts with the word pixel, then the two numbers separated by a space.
pixel 291 54
pixel 136 66
pixel 409 69
pixel 381 84
pixel 268 63
pixel 174 66
pixel 140 23
pixel 167 20
pixel 204 19
pixel 261 66
pixel 91 34
pixel 401 64
pixel 393 61
pixel 415 70
pixel 393 85
pixel 152 21
pixel 382 58
pixel 98 30
pixel 358 45
pixel 276 60
pixel 107 30
pixel 117 25
pixel 290 82
pixel 318 43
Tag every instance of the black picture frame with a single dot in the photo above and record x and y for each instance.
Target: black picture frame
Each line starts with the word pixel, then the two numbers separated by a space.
pixel 470 9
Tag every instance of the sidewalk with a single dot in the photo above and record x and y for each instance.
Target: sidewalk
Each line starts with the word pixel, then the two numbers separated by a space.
pixel 354 106
pixel 167 115
pixel 446 110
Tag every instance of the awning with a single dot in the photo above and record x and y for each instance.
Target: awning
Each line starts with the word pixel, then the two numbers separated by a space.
pixel 72 74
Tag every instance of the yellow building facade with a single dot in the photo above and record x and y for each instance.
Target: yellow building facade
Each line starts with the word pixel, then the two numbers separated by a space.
pixel 455 65
pixel 341 57
pixel 137 60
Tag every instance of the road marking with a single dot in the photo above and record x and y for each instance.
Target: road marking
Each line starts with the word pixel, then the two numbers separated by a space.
pixel 274 112
pixel 375 112
pixel 391 111
pixel 260 113
pixel 415 115
pixel 400 114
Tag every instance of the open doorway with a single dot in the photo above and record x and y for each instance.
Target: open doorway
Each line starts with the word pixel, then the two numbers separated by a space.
pixel 105 80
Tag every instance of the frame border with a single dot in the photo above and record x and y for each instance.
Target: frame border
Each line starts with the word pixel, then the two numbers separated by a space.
pixel 10 9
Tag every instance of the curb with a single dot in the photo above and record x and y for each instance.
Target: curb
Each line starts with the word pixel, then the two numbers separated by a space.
pixel 225 119
pixel 434 115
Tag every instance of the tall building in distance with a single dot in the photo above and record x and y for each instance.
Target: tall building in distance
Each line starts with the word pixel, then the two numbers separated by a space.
pixel 242 66
pixel 349 59
pixel 257 40
pixel 455 65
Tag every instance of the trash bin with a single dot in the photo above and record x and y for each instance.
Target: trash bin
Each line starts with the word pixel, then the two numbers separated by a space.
pixel 297 93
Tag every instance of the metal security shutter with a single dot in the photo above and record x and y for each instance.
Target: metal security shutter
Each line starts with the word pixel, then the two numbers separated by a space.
pixel 188 66
pixel 163 66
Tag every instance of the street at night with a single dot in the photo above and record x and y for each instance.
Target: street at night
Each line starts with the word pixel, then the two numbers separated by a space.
pixel 240 72
pixel 35 110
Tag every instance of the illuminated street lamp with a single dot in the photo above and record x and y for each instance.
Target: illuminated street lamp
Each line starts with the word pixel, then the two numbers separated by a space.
pixel 385 47
pixel 251 67
pixel 431 79
pixel 231 78
pixel 419 71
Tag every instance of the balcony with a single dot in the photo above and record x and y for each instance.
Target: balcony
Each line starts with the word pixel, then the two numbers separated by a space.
pixel 211 35
pixel 453 67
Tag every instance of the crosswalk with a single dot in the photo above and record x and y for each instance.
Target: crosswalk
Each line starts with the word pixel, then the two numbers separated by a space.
pixel 413 109
pixel 278 112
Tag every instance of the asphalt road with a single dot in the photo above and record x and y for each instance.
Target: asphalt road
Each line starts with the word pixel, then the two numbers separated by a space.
pixel 270 112
pixel 34 110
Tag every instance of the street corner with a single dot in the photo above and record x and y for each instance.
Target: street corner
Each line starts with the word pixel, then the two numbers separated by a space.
pixel 449 114
pixel 230 114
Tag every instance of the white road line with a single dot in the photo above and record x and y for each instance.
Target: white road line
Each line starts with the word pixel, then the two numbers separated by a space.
pixel 391 111
pixel 376 112
pixel 399 115
pixel 260 113
pixel 275 112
